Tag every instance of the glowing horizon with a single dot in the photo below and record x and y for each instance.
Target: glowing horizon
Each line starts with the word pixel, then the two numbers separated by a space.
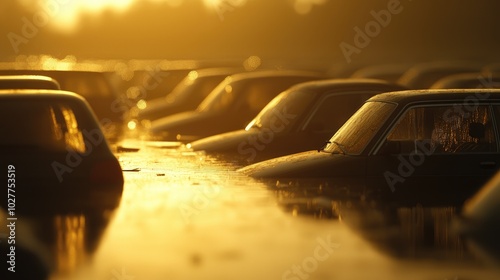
pixel 66 15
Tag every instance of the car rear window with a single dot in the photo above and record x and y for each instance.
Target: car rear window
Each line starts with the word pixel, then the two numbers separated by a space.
pixel 41 125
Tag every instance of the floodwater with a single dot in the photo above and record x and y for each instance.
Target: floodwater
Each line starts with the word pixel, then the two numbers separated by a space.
pixel 185 215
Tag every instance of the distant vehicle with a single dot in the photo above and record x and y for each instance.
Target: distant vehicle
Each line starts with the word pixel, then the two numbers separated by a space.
pixel 28 82
pixel 299 119
pixel 54 147
pixel 186 96
pixel 93 86
pixel 387 72
pixel 231 105
pixel 479 221
pixel 403 145
pixel 468 80
pixel 423 75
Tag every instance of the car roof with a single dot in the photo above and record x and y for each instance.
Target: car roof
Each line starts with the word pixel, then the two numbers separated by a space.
pixel 218 71
pixel 469 80
pixel 39 94
pixel 429 95
pixel 272 74
pixel 360 84
pixel 416 75
pixel 28 81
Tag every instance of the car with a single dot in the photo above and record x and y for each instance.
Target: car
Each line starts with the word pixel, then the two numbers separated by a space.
pixel 301 118
pixel 186 96
pixel 403 145
pixel 231 105
pixel 479 220
pixel 468 80
pixel 53 149
pixel 28 82
pixel 94 86
pixel 423 75
pixel 387 72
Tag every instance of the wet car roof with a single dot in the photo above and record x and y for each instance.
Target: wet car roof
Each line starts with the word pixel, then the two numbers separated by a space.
pixel 38 93
pixel 343 83
pixel 28 82
pixel 432 95
pixel 269 74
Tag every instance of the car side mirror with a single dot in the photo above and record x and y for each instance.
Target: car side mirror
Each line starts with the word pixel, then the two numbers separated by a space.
pixel 391 148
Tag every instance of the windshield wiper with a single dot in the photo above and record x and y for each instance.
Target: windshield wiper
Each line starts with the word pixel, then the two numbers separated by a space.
pixel 341 147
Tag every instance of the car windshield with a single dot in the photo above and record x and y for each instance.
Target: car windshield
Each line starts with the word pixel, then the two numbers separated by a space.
pixel 219 98
pixel 357 132
pixel 282 110
pixel 193 87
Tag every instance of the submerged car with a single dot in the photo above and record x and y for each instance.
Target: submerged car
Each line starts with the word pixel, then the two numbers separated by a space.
pixel 94 86
pixel 403 145
pixel 479 221
pixel 186 96
pixel 468 80
pixel 299 119
pixel 28 82
pixel 53 148
pixel 424 75
pixel 231 105
pixel 387 72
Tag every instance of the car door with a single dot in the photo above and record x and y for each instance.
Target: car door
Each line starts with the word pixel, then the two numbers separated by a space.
pixel 442 152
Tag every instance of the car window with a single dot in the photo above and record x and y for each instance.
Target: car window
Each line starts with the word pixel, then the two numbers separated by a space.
pixel 457 128
pixel 283 110
pixel 45 126
pixel 359 130
pixel 195 89
pixel 342 106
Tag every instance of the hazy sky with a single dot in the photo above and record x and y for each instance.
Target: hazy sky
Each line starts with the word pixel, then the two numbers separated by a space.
pixel 324 30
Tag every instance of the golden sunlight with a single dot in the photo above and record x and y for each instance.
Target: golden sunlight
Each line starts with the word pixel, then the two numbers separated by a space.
pixel 65 15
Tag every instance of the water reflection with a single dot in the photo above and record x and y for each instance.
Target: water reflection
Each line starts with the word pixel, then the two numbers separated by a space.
pixel 399 230
pixel 54 241
pixel 60 243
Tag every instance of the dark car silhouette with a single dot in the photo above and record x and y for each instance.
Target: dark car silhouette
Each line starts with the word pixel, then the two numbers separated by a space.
pixel 301 118
pixel 423 75
pixel 186 96
pixel 231 105
pixel 403 145
pixel 94 86
pixel 54 148
pixel 468 80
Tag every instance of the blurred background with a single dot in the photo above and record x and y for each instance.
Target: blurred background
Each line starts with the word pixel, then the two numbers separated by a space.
pixel 299 30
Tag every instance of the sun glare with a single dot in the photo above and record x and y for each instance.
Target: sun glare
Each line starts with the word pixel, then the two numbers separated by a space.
pixel 66 14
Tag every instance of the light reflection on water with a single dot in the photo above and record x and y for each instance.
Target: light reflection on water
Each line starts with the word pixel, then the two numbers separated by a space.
pixel 185 215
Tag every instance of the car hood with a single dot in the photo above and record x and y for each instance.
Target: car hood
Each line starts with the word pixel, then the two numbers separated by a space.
pixel 177 120
pixel 189 126
pixel 307 165
pixel 158 107
pixel 224 142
